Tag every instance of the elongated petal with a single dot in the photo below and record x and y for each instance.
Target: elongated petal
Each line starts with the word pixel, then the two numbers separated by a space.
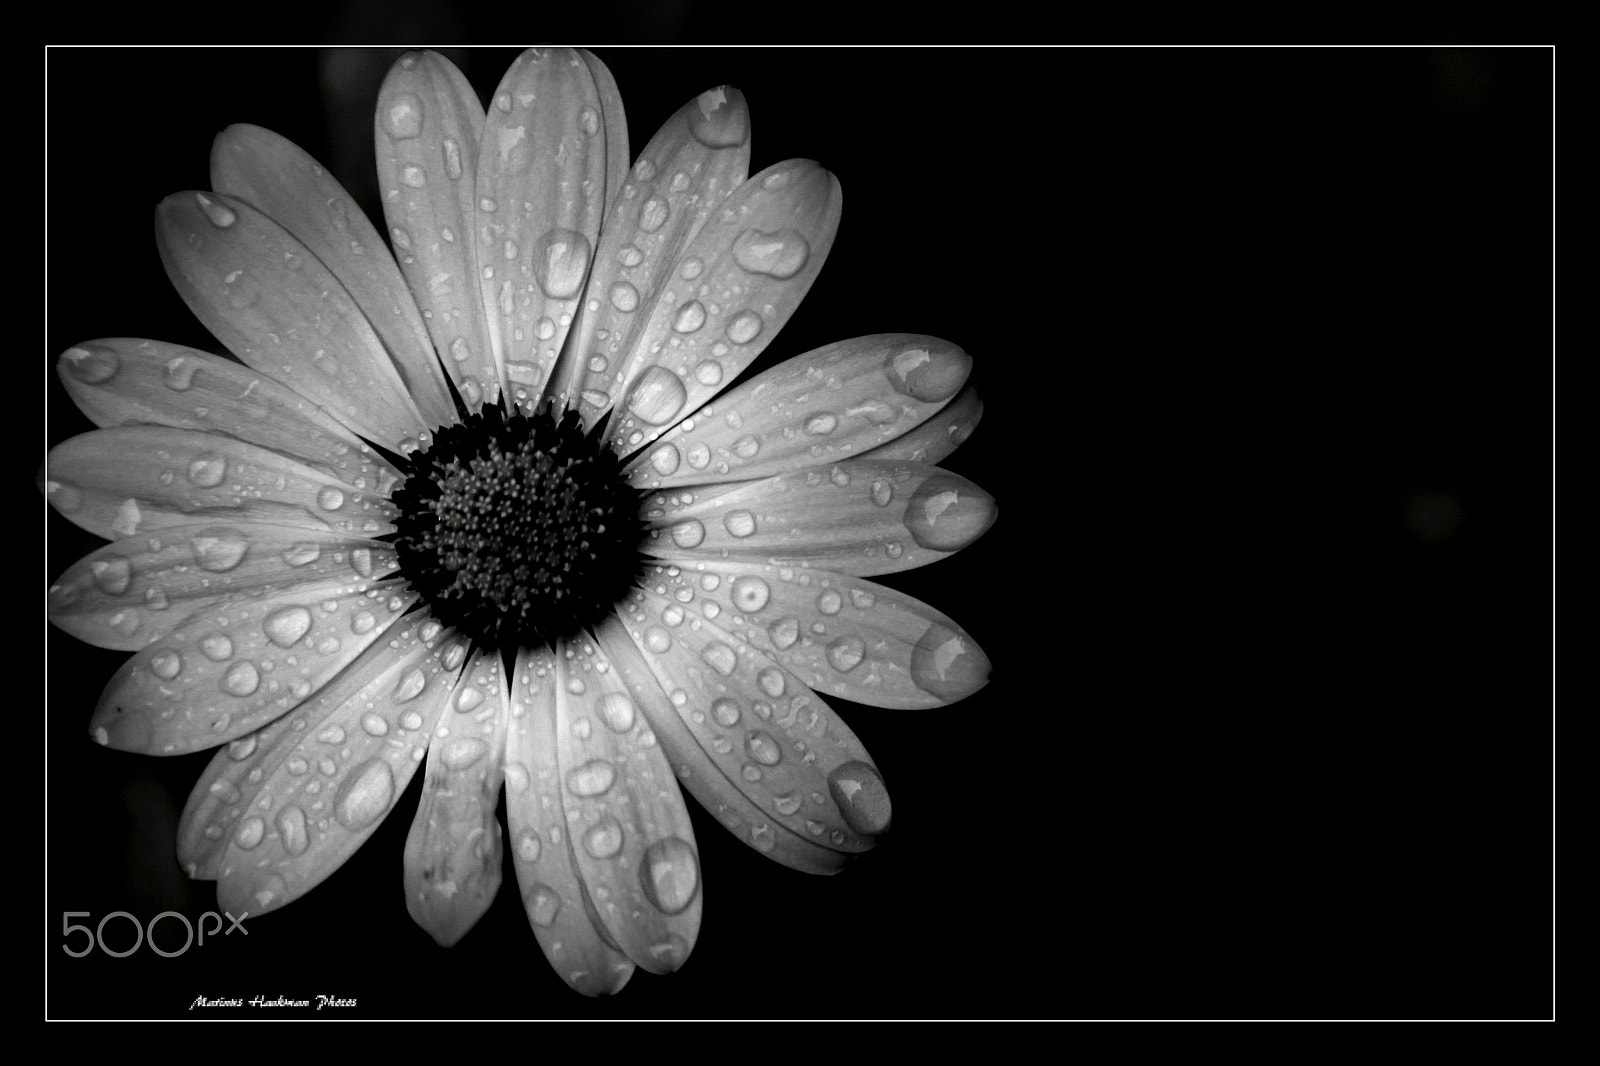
pixel 939 436
pixel 613 122
pixel 135 591
pixel 767 732
pixel 453 854
pixel 698 772
pixel 122 381
pixel 843 636
pixel 759 253
pixel 830 404
pixel 540 198
pixel 141 479
pixel 231 668
pixel 859 517
pixel 428 123
pixel 552 889
pixel 284 183
pixel 632 838
pixel 266 297
pixel 692 164
pixel 327 786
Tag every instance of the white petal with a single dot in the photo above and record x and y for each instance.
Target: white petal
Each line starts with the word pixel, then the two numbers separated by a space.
pixel 141 479
pixel 940 435
pixel 121 381
pixel 326 786
pixel 133 592
pixel 266 297
pixel 229 669
pixel 857 517
pixel 453 853
pixel 272 174
pixel 692 164
pixel 552 889
pixel 761 251
pixel 834 403
pixel 428 123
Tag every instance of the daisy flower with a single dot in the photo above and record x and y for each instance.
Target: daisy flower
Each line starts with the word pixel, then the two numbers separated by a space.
pixel 505 510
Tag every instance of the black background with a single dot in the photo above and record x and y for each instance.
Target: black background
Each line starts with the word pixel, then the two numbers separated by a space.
pixel 1265 342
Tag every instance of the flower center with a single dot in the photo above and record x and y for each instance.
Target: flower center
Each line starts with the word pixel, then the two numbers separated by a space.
pixel 518 530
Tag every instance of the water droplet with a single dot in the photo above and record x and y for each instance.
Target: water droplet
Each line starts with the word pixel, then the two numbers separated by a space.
pixel 829 601
pixel 665 459
pixel 930 373
pixel 304 552
pixel 362 622
pixel 166 664
pixel 361 561
pixel 285 627
pixel 657 639
pixel 217 647
pixel 719 118
pixel 242 679
pixel 771 681
pixel 207 470
pixel 762 748
pixel 780 254
pixel 410 686
pixel 657 396
pixel 750 594
pixel 291 822
pixel 624 297
pixel 946 514
pixel 699 455
pixel 593 778
pixel 452 158
pixel 365 795
pixel 689 533
pixel 630 256
pixel 746 447
pixel 690 317
pixel 653 215
pixel 740 523
pixel 458 753
pixel 403 116
pixel 330 498
pixel 112 574
pixel 862 798
pixel 220 214
pixel 616 711
pixel 745 327
pixel 882 492
pixel 720 657
pixel 219 550
pixel 333 734
pixel 179 373
pixel 670 874
pixel 947 664
pixel 374 724
pixel 411 721
pixel 561 263
pixel 542 903
pixel 603 839
pixel 243 748
pixel 821 423
pixel 692 268
pixel 589 122
pixel 784 632
pixel 92 366
pixel 468 699
pixel 250 833
pixel 846 653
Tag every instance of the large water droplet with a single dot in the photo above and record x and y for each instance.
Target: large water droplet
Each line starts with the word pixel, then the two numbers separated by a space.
pixel 719 118
pixel 657 396
pixel 365 795
pixel 92 366
pixel 653 215
pixel 403 116
pixel 928 372
pixel 750 593
pixel 542 903
pixel 285 627
pixel 179 373
pixel 846 653
pixel 374 724
pixel 670 874
pixel 725 711
pixel 740 523
pixel 593 778
pixel 780 254
pixel 219 213
pixel 721 658
pixel 862 798
pixel 665 459
pixel 762 748
pixel 112 574
pixel 217 647
pixel 624 297
pixel 207 470
pixel 166 664
pixel 946 514
pixel 330 498
pixel 219 550
pixel 304 552
pixel 603 839
pixel 242 679
pixel 821 424
pixel 784 632
pixel 688 533
pixel 291 822
pixel 561 263
pixel 690 317
pixel 771 681
pixel 616 711
pixel 947 664
pixel 458 753
pixel 250 833
pixel 829 601
pixel 745 327
pixel 410 686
